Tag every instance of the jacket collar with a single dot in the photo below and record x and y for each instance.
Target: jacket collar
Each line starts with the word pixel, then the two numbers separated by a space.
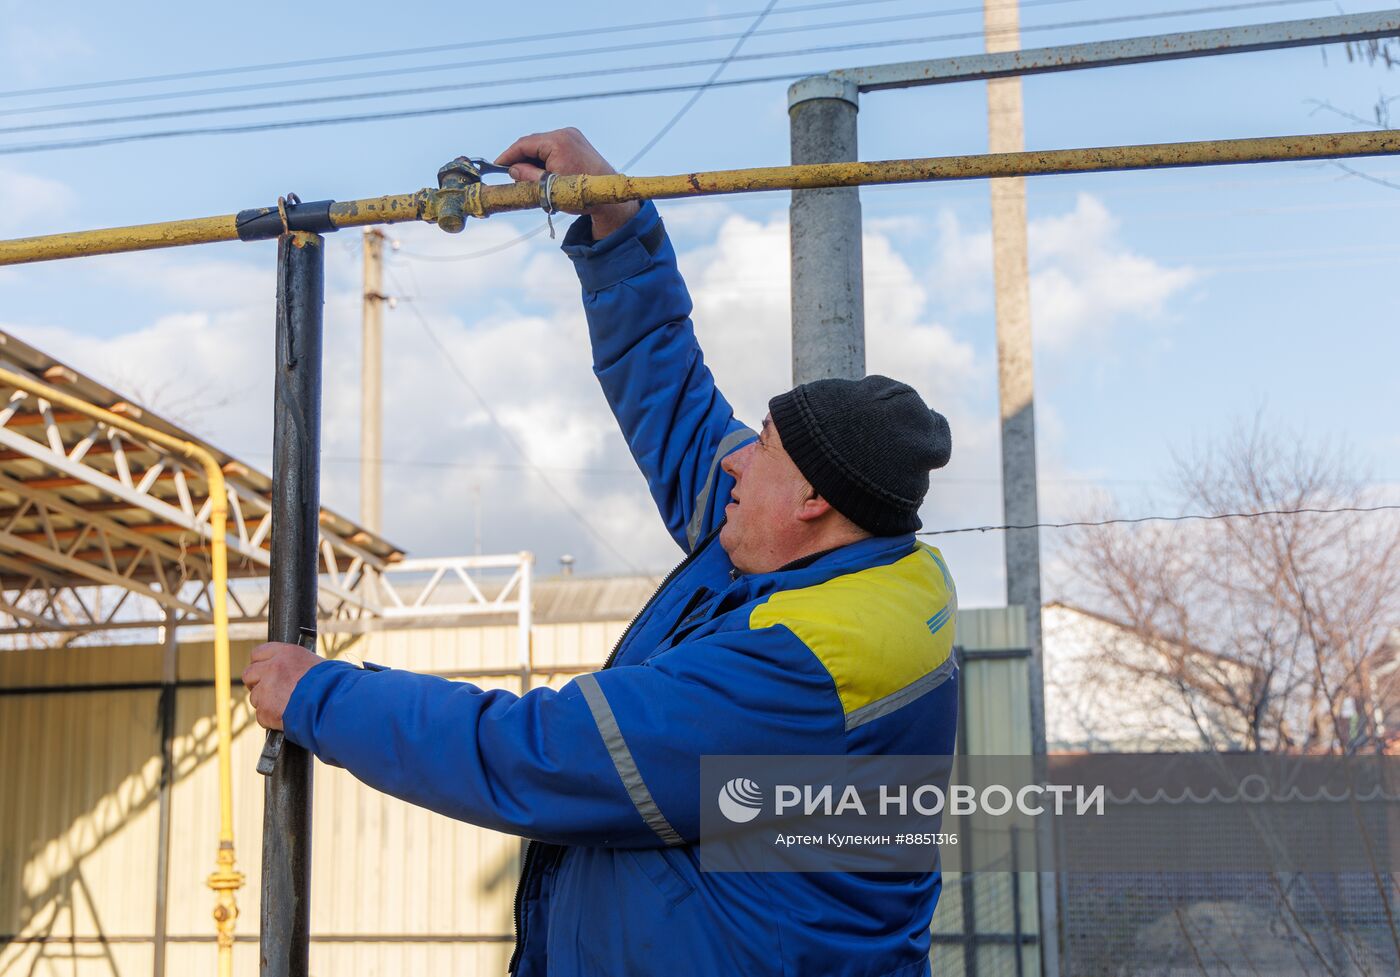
pixel 808 571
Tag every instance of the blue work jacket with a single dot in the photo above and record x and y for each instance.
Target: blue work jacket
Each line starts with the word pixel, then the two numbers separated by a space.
pixel 847 653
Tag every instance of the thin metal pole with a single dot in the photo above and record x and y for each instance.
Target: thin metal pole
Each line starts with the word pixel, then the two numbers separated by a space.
pixel 828 300
pixel 169 677
pixel 371 383
pixel 296 446
pixel 967 879
pixel 524 623
pixel 1016 929
pixel 1016 385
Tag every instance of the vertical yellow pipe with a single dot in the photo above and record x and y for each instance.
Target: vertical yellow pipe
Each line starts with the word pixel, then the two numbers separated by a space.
pixel 226 880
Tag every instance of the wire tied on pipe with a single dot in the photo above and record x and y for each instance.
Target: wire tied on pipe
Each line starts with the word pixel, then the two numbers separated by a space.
pixel 290 200
pixel 547 201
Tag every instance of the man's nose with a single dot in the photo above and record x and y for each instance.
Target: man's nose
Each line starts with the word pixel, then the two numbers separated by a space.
pixel 734 462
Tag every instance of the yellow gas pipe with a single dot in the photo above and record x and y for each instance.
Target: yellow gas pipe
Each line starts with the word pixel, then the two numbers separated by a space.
pixel 446 206
pixel 225 880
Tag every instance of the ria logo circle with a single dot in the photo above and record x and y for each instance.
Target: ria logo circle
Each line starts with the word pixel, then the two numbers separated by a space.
pixel 740 800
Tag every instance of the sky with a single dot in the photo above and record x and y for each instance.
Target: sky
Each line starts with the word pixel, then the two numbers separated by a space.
pixel 1168 307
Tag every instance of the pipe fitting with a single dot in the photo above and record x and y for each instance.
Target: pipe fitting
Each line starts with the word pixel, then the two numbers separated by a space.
pixel 823 86
pixel 459 175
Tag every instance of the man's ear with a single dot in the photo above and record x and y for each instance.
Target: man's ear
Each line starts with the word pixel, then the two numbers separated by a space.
pixel 812 507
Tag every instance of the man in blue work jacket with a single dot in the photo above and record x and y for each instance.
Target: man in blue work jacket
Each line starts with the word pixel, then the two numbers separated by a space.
pixel 805 620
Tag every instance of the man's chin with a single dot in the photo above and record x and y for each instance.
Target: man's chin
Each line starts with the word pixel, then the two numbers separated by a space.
pixel 728 539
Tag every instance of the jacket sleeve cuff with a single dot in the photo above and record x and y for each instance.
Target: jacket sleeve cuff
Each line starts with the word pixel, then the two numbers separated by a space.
pixel 310 696
pixel 616 258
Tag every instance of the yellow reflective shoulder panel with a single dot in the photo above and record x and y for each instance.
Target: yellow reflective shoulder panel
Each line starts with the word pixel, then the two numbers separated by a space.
pixel 876 631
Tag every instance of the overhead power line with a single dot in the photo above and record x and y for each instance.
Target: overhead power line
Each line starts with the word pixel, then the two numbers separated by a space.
pixel 584 96
pixel 461 374
pixel 487 63
pixel 632 472
pixel 374 116
pixel 458 46
pixel 646 148
pixel 721 63
pixel 1203 517
pixel 670 124
pixel 510 438
pixel 429 49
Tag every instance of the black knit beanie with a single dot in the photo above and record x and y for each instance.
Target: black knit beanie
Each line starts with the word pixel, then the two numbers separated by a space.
pixel 866 446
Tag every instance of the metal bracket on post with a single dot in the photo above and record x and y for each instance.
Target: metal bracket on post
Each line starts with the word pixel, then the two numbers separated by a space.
pixel 828 303
pixel 290 214
pixel 296 443
pixel 822 86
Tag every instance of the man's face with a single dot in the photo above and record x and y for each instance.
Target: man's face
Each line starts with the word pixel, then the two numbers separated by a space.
pixel 769 492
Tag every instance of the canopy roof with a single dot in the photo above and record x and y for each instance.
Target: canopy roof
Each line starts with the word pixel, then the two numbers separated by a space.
pixel 92 517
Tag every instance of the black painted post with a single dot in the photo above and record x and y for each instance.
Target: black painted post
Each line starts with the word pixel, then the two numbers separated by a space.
pixel 296 447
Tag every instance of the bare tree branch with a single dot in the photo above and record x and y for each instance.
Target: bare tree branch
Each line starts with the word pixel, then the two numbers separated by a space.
pixel 1269 634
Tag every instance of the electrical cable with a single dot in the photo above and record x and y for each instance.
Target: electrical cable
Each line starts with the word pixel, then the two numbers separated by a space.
pixel 1197 517
pixel 699 92
pixel 375 116
pixel 510 438
pixel 430 90
pixel 632 472
pixel 458 465
pixel 670 123
pixel 431 49
pixel 418 69
pixel 585 96
pixel 482 253
pixel 461 374
pixel 495 82
pixel 660 134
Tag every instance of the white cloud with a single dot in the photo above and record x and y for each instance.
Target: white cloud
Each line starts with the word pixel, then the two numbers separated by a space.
pixel 961 274
pixel 29 204
pixel 1084 281
pixel 512 323
pixel 194 368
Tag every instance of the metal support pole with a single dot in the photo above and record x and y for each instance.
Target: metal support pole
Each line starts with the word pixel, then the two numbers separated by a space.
pixel 296 446
pixel 371 383
pixel 525 653
pixel 1016 383
pixel 828 301
pixel 169 676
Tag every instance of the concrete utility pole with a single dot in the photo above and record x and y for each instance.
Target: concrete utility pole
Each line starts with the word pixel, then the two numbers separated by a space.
pixel 1015 377
pixel 828 302
pixel 371 383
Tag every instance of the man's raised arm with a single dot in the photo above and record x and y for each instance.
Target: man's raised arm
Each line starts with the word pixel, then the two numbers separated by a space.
pixel 645 355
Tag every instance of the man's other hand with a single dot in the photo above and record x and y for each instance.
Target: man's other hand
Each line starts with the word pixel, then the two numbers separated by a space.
pixel 275 670
pixel 566 152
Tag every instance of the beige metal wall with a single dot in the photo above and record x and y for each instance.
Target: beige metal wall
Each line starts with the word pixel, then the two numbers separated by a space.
pixel 396 889
pixel 995 721
pixel 77 824
pixel 79 787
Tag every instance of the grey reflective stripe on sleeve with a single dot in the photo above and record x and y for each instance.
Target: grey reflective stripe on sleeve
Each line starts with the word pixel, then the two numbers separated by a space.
pixel 904 696
pixel 622 760
pixel 732 439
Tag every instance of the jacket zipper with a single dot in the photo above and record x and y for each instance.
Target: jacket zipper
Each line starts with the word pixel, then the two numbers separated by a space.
pixel 612 657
